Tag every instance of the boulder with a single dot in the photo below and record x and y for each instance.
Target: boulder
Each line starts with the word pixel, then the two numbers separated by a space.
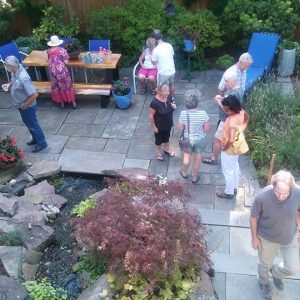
pixel 94 292
pixel 98 194
pixel 11 289
pixel 32 257
pixel 33 217
pixel 29 271
pixel 12 258
pixel 25 206
pixel 24 176
pixel 44 168
pixel 43 193
pixel 8 205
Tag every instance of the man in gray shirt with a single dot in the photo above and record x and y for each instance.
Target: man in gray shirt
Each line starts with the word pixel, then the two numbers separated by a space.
pixel 24 95
pixel 275 225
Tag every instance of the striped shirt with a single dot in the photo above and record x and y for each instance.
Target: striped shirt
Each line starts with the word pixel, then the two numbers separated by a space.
pixel 197 119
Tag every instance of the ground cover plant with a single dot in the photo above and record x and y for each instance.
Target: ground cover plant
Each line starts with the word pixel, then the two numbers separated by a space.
pixel 152 246
pixel 274 128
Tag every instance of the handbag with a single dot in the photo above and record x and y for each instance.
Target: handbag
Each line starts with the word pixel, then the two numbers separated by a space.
pixel 184 143
pixel 239 146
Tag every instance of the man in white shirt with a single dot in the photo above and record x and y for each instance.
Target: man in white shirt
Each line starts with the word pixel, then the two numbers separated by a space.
pixel 163 58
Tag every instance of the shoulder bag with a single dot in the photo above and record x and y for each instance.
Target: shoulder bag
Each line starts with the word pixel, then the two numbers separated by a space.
pixel 239 145
pixel 184 143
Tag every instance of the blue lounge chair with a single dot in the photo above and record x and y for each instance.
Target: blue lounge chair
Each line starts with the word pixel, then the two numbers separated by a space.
pixel 10 49
pixel 262 48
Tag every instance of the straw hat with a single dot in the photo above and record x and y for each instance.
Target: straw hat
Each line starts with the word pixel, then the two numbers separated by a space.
pixel 54 41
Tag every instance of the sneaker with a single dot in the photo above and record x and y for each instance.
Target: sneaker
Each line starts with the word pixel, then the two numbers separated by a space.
pixel 38 148
pixel 30 143
pixel 277 282
pixel 265 290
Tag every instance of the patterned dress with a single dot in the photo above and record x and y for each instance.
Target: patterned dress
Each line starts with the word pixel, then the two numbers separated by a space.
pixel 62 89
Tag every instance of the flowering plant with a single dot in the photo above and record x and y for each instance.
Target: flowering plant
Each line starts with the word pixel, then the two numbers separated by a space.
pixel 121 87
pixel 9 151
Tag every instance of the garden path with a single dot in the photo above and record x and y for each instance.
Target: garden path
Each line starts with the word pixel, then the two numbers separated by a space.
pixel 91 140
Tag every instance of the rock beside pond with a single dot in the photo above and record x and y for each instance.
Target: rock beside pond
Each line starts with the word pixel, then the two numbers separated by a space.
pixel 12 258
pixel 95 291
pixel 44 168
pixel 11 289
pixel 43 193
pixel 8 206
pixel 29 271
pixel 129 173
pixel 33 257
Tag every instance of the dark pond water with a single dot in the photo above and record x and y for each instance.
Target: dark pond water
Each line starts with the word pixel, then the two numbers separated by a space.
pixel 57 262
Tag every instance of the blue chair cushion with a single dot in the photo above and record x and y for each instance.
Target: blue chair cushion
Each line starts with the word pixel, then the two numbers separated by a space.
pixel 253 75
pixel 94 45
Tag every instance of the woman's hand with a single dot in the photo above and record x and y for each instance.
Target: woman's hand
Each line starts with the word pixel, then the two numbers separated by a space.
pixel 173 105
pixel 155 129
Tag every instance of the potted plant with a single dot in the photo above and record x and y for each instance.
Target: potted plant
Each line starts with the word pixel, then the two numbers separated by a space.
pixel 190 38
pixel 122 93
pixel 10 153
pixel 73 48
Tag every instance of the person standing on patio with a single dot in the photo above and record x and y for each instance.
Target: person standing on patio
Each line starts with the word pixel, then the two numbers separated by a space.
pixel 24 95
pixel 161 119
pixel 148 70
pixel 163 58
pixel 62 88
pixel 232 88
pixel 275 225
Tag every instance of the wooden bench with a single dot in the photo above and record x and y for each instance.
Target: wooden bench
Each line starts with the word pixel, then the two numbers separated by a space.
pixel 103 90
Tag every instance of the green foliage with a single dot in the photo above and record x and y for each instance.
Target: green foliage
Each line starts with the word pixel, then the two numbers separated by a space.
pixel 54 23
pixel 273 116
pixel 121 88
pixel 31 42
pixel 128 32
pixel 12 238
pixel 80 209
pixel 6 14
pixel 288 44
pixel 241 18
pixel 179 285
pixel 43 290
pixel 225 61
pixel 94 268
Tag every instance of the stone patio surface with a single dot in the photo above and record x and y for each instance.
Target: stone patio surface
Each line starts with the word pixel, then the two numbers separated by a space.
pixel 92 139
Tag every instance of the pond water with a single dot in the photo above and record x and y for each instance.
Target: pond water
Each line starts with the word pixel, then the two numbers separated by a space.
pixel 57 261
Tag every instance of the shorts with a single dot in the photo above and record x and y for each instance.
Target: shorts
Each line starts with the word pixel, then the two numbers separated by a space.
pixel 162 137
pixel 198 146
pixel 148 72
pixel 163 78
pixel 218 134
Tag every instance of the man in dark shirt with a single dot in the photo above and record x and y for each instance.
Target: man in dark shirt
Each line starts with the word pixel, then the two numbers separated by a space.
pixel 275 225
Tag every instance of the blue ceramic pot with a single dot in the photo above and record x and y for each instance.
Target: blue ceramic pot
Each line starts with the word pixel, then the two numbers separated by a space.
pixel 123 102
pixel 189 45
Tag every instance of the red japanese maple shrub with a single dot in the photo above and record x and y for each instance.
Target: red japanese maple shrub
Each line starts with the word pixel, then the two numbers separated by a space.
pixel 143 228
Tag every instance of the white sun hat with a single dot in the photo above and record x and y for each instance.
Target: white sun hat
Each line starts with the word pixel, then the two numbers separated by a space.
pixel 54 41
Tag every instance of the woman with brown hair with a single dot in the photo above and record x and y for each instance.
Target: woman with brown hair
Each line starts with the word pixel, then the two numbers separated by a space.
pixel 161 119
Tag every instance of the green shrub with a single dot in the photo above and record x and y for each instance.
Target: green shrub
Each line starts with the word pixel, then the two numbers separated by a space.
pixel 225 61
pixel 80 209
pixel 32 42
pixel 6 14
pixel 12 238
pixel 53 23
pixel 95 268
pixel 241 18
pixel 43 290
pixel 273 116
pixel 128 32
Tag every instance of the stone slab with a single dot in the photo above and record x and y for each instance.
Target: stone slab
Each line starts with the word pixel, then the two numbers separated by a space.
pixel 51 120
pixel 136 163
pixel 80 117
pixel 202 194
pixel 120 127
pixel 103 116
pixel 10 116
pixel 158 167
pixel 219 284
pixel 117 146
pixel 140 151
pixel 32 158
pixel 83 130
pixel 86 144
pixel 137 103
pixel 78 161
pixel 218 239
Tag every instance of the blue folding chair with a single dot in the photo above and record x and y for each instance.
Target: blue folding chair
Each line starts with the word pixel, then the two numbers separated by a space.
pixel 94 45
pixel 10 49
pixel 263 49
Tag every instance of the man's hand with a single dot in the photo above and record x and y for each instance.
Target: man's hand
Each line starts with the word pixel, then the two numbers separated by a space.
pixel 298 236
pixel 218 99
pixel 256 244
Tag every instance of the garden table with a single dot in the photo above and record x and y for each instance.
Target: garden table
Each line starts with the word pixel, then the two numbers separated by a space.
pixel 40 59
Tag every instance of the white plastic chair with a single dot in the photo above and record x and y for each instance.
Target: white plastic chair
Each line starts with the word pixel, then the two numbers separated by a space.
pixel 135 76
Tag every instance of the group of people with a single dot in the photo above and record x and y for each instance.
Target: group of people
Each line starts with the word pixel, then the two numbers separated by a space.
pixel 24 94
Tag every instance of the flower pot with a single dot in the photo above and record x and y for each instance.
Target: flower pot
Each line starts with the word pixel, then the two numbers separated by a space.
pixel 123 102
pixel 74 54
pixel 188 45
pixel 10 165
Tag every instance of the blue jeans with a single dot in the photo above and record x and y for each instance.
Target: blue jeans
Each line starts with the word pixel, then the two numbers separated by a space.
pixel 30 120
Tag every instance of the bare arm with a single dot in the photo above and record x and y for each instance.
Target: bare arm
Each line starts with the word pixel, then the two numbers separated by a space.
pixel 180 126
pixel 246 121
pixel 206 126
pixel 231 138
pixel 151 117
pixel 256 244
pixel 141 59
pixel 29 100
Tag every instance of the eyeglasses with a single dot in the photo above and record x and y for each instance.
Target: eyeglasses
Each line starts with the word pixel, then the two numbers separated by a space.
pixel 281 194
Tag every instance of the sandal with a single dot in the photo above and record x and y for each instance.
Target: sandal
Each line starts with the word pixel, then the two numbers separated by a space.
pixel 159 157
pixel 197 179
pixel 153 92
pixel 143 91
pixel 222 194
pixel 171 153
pixel 182 174
pixel 209 160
